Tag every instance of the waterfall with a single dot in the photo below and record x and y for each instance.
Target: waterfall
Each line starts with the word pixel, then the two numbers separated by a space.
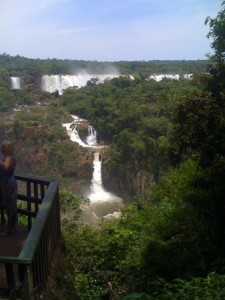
pixel 98 193
pixel 159 77
pixel 76 138
pixel 188 76
pixel 103 204
pixel 92 136
pixel 91 139
pixel 15 83
pixel 53 83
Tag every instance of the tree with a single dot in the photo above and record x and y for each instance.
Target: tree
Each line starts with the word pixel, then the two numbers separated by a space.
pixel 216 82
pixel 198 132
pixel 199 121
pixel 217 32
pixel 7 99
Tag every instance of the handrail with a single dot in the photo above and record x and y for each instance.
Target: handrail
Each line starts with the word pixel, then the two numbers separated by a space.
pixel 44 233
pixel 30 245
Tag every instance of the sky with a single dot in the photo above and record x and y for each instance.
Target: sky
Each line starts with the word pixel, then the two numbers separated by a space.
pixel 107 30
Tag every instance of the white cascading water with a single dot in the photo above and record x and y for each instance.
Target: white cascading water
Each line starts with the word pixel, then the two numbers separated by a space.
pixel 102 204
pixel 188 76
pixel 15 83
pixel 98 193
pixel 71 128
pixel 92 136
pixel 53 83
pixel 159 77
pixel 76 138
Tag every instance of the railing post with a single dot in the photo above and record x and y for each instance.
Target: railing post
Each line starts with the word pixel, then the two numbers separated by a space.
pixel 22 271
pixel 10 275
pixel 29 205
pixel 2 214
pixel 27 290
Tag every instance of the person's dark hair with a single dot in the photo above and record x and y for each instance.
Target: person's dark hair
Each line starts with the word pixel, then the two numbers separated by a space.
pixel 7 148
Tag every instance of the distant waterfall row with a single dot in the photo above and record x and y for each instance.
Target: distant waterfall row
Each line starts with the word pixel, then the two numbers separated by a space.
pixel 53 83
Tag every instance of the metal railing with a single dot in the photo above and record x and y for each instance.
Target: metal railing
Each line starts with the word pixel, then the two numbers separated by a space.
pixel 27 274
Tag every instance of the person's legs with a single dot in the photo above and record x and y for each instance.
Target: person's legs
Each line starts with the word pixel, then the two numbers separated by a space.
pixel 10 204
pixel 9 229
pixel 14 228
pixel 10 224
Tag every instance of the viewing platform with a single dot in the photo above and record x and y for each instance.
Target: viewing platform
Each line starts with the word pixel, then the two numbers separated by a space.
pixel 26 258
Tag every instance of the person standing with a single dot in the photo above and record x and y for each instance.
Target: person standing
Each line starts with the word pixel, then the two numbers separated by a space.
pixel 9 186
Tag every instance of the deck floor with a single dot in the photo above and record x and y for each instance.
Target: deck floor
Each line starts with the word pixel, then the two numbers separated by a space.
pixel 10 246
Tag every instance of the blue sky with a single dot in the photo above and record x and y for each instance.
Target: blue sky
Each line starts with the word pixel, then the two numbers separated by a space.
pixel 106 30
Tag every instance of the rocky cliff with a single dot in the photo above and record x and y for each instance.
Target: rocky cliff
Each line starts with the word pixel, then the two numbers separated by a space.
pixel 125 182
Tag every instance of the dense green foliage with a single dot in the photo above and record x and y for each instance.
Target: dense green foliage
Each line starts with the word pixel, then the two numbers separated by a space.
pixel 198 132
pixel 21 65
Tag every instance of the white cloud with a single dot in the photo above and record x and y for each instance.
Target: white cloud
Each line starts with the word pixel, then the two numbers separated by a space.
pixel 71 31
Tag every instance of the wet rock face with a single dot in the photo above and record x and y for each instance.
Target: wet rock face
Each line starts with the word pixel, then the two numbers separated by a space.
pixel 124 182
pixel 83 130
pixel 29 82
